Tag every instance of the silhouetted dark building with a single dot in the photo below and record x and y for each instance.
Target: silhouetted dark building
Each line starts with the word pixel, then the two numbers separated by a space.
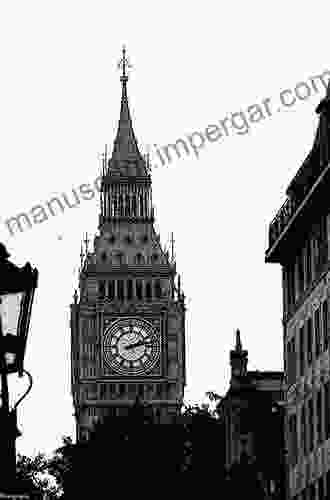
pixel 251 423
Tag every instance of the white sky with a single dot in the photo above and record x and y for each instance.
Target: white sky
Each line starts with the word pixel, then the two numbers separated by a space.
pixel 194 63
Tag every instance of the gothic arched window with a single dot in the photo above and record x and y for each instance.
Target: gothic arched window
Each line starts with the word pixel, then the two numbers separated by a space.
pixel 139 259
pixel 101 289
pixel 120 290
pixel 141 206
pixel 121 205
pixel 139 289
pixel 127 206
pixel 115 207
pixel 154 257
pixel 111 289
pixel 148 290
pixel 159 390
pixel 158 289
pixel 129 289
pixel 134 206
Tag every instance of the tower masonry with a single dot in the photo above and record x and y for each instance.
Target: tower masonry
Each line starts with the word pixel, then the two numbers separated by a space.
pixel 128 318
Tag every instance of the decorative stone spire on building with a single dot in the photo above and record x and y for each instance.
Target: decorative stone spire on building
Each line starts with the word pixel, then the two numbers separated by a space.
pixel 126 182
pixel 238 358
pixel 126 159
pixel 238 346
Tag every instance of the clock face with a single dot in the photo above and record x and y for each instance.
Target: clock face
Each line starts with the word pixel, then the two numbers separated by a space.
pixel 131 346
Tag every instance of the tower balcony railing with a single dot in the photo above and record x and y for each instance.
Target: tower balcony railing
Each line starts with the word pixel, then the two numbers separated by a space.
pixel 150 217
pixel 130 269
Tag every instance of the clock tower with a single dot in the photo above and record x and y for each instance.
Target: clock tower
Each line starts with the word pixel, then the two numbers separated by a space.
pixel 128 319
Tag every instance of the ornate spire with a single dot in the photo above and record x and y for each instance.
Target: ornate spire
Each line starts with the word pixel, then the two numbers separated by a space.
pixel 126 159
pixel 238 358
pixel 238 346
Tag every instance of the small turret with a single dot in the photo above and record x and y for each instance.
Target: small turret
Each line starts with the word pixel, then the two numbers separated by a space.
pixel 238 358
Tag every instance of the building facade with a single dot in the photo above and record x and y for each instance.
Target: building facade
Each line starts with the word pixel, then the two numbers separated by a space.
pixel 128 319
pixel 251 422
pixel 299 240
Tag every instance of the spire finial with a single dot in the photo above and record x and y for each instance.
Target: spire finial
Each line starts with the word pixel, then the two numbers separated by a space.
pixel 86 241
pixel 172 247
pixel 126 158
pixel 124 64
pixel 147 159
pixel 238 346
pixel 82 255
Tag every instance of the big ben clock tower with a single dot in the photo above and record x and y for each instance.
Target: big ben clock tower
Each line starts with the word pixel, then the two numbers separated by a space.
pixel 128 320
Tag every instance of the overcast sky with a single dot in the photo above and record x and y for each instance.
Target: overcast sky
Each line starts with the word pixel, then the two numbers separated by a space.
pixel 194 64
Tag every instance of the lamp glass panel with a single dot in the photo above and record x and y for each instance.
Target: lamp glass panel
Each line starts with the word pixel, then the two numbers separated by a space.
pixel 10 358
pixel 10 307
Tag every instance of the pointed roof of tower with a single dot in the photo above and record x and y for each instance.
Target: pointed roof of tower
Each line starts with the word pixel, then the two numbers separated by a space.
pixel 126 159
pixel 238 346
pixel 238 349
pixel 238 358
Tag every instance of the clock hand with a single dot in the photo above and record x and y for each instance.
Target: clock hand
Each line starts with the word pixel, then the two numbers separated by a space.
pixel 132 346
pixel 138 344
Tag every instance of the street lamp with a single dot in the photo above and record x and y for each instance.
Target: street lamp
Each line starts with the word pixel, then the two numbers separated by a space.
pixel 17 287
pixel 15 310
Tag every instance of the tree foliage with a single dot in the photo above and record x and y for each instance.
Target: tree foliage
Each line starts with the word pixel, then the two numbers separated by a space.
pixel 124 452
pixel 32 476
pixel 128 446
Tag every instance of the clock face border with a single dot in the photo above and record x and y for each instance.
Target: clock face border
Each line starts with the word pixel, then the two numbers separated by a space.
pixel 115 334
